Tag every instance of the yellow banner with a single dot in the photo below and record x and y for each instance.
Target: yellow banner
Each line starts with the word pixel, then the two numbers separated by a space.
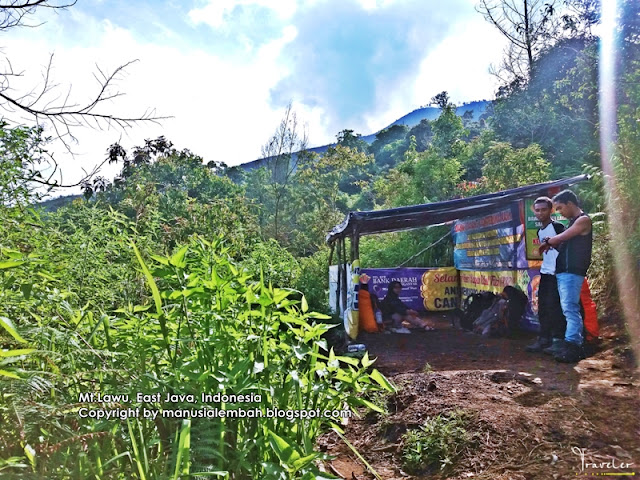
pixel 440 289
pixel 494 281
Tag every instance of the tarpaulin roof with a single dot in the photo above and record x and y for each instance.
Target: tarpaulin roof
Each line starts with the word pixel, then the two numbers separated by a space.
pixel 414 216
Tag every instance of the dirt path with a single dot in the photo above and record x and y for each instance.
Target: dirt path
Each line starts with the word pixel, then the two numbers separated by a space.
pixel 531 417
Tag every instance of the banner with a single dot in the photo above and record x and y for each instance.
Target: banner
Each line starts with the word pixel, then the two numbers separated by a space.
pixel 440 289
pixel 490 242
pixel 378 280
pixel 487 281
pixel 529 281
pixel 531 228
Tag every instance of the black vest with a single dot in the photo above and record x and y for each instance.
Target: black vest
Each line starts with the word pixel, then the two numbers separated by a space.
pixel 574 255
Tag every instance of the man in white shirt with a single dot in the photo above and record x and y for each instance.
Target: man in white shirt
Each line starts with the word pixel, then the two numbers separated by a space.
pixel 552 320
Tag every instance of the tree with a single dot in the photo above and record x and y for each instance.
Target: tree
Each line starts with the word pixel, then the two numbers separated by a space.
pixel 448 131
pixel 20 157
pixel 528 25
pixel 423 134
pixel 282 153
pixel 422 177
pixel 45 105
pixel 171 194
pixel 558 110
pixel 347 138
pixel 442 100
pixel 321 194
pixel 506 167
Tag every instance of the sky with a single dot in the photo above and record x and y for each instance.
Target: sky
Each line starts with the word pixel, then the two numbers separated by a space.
pixel 225 70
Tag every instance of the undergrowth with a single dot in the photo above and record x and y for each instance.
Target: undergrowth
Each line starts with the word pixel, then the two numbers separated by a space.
pixel 437 443
pixel 207 327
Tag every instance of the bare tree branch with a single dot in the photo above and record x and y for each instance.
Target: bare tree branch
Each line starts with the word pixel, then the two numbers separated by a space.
pixel 528 25
pixel 58 111
pixel 63 115
pixel 281 156
pixel 13 12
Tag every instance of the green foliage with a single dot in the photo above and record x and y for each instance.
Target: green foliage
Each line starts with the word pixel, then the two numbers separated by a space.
pixel 210 328
pixel 318 199
pixel 22 155
pixel 276 265
pixel 347 138
pixel 175 195
pixel 506 167
pixel 393 139
pixel 314 279
pixel 422 177
pixel 448 131
pixel 424 247
pixel 626 163
pixel 558 110
pixel 437 443
pixel 423 133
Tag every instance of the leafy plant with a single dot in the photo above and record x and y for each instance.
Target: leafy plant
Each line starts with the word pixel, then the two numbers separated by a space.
pixel 437 443
pixel 207 328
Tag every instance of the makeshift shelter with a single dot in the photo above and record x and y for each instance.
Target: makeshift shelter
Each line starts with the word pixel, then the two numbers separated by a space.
pixel 495 245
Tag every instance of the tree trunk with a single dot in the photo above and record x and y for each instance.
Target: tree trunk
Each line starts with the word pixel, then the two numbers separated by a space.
pixel 527 36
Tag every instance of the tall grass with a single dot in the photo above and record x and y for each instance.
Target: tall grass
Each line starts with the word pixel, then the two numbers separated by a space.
pixel 207 328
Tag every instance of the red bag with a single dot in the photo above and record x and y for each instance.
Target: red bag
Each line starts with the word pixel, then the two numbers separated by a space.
pixel 590 313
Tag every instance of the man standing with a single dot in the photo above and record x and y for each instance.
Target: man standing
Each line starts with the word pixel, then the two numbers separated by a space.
pixel 574 257
pixel 552 321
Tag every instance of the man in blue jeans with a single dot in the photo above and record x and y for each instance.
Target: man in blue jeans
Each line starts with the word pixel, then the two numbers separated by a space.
pixel 574 257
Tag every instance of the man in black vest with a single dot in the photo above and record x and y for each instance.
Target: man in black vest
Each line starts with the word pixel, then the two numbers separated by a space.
pixel 574 257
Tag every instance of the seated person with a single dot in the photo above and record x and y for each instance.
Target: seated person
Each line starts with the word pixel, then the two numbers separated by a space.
pixel 396 312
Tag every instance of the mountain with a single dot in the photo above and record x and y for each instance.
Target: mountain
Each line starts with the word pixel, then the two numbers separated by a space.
pixel 53 204
pixel 478 108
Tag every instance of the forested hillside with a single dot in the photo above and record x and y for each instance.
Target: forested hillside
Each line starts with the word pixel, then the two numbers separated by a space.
pixel 181 277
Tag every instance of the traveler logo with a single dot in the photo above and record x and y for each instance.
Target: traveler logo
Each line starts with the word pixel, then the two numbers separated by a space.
pixel 614 466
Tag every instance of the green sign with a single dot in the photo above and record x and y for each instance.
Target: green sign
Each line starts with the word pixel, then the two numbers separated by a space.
pixel 531 226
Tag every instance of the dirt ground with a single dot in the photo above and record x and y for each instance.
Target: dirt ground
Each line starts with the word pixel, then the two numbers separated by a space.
pixel 531 417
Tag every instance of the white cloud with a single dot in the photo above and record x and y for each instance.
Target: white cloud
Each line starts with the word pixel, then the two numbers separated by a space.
pixel 220 107
pixel 215 11
pixel 459 64
pixel 373 4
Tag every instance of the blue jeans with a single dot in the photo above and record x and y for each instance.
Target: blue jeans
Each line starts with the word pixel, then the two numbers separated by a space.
pixel 569 286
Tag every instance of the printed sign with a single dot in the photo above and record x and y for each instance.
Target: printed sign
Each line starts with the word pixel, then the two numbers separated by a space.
pixel 378 280
pixel 490 242
pixel 529 281
pixel 440 289
pixel 531 228
pixel 488 281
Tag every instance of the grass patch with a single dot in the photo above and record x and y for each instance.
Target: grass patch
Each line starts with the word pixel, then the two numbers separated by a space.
pixel 437 443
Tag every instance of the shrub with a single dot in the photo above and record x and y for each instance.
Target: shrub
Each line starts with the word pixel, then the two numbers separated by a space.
pixel 437 443
pixel 208 328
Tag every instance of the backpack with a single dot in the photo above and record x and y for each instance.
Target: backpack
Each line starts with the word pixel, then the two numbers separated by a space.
pixel 517 303
pixel 493 320
pixel 503 316
pixel 474 305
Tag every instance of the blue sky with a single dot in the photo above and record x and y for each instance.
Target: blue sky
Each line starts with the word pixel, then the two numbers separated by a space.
pixel 226 69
